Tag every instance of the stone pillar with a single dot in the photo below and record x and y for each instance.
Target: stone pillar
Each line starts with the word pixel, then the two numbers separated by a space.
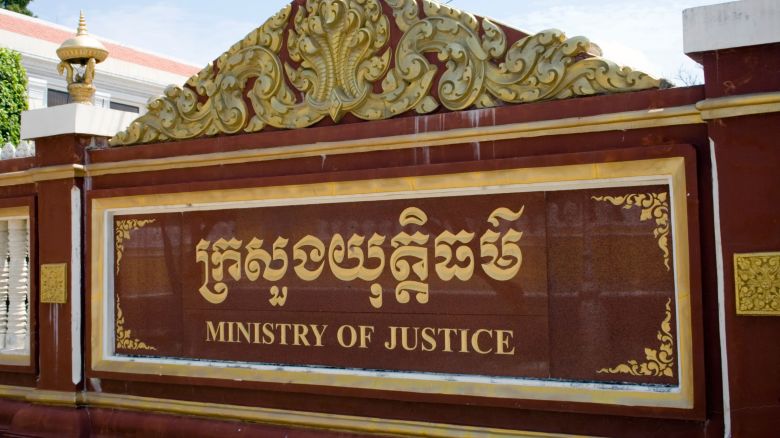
pixel 61 134
pixel 738 44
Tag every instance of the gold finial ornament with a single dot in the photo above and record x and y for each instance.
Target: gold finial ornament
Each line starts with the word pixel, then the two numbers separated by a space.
pixel 79 55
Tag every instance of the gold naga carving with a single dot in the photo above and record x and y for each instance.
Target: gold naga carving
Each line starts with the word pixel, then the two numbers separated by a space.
pixel 659 362
pixel 655 206
pixel 342 62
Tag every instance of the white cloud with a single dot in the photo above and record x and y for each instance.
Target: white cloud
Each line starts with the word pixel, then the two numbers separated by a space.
pixel 643 35
pixel 189 34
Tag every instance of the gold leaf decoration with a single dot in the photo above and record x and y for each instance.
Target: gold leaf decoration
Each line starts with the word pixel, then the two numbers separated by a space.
pixel 655 206
pixel 54 277
pixel 757 283
pixel 660 362
pixel 124 337
pixel 122 233
pixel 342 56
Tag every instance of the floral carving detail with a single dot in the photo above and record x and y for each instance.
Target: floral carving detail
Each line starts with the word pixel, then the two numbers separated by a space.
pixel 757 283
pixel 342 62
pixel 124 338
pixel 655 206
pixel 122 233
pixel 660 362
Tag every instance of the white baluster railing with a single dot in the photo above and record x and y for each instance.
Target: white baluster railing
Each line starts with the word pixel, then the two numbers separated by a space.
pixel 25 149
pixel 3 282
pixel 16 336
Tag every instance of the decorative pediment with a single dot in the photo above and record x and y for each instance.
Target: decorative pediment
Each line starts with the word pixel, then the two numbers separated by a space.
pixel 375 60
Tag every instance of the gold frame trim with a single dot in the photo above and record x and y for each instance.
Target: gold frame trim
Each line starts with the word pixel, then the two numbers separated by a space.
pixel 670 169
pixel 15 212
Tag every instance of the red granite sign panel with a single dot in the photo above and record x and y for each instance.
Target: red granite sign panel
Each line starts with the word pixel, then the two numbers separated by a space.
pixel 566 284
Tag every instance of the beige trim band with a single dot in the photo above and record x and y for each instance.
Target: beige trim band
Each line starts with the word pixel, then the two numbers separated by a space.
pixel 39 396
pixel 683 115
pixel 704 110
pixel 735 106
pixel 708 109
pixel 278 417
pixel 314 420
pixel 41 174
pixel 17 360
pixel 15 392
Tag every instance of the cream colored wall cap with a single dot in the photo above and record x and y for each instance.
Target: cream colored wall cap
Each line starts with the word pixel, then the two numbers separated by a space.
pixel 49 173
pixel 73 118
pixel 729 25
pixel 743 105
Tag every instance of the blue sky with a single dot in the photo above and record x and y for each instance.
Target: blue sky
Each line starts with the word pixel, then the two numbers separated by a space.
pixel 646 35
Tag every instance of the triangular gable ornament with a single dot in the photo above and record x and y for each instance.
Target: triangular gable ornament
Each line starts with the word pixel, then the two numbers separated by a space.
pixel 328 58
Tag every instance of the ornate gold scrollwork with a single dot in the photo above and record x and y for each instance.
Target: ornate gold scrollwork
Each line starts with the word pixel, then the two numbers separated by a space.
pixel 654 206
pixel 341 50
pixel 124 337
pixel 659 362
pixel 122 233
pixel 757 283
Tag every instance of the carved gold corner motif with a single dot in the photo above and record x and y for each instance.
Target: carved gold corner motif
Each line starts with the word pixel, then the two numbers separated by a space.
pixel 124 338
pixel 654 206
pixel 660 362
pixel 757 283
pixel 122 233
pixel 342 55
pixel 54 277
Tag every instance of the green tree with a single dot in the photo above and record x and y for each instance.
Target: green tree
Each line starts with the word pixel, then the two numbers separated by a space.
pixel 13 95
pixel 18 6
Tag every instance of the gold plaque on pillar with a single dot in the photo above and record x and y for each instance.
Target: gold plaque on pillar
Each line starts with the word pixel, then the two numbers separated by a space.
pixel 53 283
pixel 757 283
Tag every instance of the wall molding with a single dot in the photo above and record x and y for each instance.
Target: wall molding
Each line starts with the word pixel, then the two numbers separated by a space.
pixel 277 417
pixel 683 115
pixel 39 174
pixel 703 111
pixel 735 106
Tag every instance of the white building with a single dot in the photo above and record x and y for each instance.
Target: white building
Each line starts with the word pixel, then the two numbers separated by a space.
pixel 125 81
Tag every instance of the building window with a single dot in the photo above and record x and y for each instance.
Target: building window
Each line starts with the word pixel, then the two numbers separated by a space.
pixel 56 97
pixel 123 107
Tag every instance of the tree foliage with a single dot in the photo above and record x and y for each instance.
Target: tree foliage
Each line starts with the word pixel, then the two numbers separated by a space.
pixel 13 95
pixel 18 6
